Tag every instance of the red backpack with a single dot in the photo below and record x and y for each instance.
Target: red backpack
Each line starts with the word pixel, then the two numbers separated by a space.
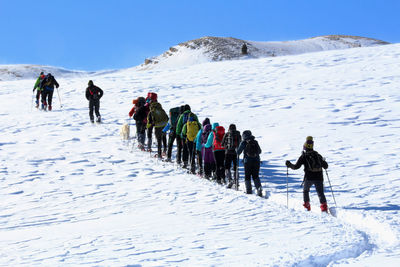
pixel 219 133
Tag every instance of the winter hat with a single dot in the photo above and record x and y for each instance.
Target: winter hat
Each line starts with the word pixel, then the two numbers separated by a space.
pixel 187 107
pixel 41 73
pixel 215 125
pixel 206 121
pixel 232 127
pixel 135 101
pixel 246 135
pixel 309 144
pixel 90 83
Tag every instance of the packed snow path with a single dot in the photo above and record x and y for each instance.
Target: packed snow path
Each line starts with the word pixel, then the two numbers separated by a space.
pixel 74 193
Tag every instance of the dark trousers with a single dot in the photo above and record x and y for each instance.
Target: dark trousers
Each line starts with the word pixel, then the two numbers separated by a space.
pixel 47 97
pixel 192 155
pixel 219 156
pixel 319 187
pixel 200 161
pixel 229 159
pixel 179 148
pixel 251 170
pixel 185 151
pixel 94 104
pixel 164 140
pixel 171 140
pixel 159 136
pixel 208 169
pixel 149 136
pixel 38 94
pixel 141 132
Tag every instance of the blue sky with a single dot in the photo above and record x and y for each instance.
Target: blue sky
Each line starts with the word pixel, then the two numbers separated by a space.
pixel 99 34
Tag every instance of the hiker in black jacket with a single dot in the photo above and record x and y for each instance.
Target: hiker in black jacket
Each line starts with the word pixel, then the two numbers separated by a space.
pixel 313 164
pixel 93 94
pixel 251 161
pixel 140 118
pixel 47 85
pixel 231 143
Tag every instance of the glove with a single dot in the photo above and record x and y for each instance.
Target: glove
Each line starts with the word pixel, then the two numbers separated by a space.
pixel 33 90
pixel 288 163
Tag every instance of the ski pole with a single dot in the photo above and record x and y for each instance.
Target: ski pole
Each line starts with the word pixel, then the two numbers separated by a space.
pixel 59 98
pixel 327 176
pixel 237 173
pixel 287 186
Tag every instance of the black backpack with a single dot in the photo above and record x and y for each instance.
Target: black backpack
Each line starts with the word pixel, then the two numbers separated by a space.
pixel 251 149
pixel 232 140
pixel 313 161
pixel 174 116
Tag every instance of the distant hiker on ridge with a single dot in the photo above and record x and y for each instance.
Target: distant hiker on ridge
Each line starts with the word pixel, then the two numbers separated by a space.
pixel 93 94
pixel 244 49
pixel 313 164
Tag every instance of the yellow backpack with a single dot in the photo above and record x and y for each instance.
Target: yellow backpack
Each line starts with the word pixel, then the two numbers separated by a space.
pixel 192 127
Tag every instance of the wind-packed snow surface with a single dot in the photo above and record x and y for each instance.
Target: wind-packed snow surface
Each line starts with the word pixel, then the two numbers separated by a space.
pixel 73 193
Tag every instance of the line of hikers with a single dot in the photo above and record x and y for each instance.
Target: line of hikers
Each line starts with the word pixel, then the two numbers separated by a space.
pixel 203 149
pixel 214 152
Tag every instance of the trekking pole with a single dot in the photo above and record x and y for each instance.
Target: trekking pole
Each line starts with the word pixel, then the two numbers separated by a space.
pixel 237 174
pixel 59 98
pixel 327 176
pixel 287 186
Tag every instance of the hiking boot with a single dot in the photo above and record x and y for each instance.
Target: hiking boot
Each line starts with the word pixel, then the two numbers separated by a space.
pixel 49 108
pixel 37 104
pixel 230 184
pixel 247 183
pixel 168 160
pixel 185 165
pixel 260 192
pixel 98 119
pixel 307 206
pixel 324 207
pixel 92 120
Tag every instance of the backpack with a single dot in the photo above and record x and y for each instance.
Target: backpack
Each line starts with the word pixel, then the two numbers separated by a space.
pixel 232 140
pixel 251 149
pixel 312 161
pixel 47 81
pixel 218 135
pixel 192 128
pixel 158 114
pixel 204 135
pixel 186 117
pixel 174 116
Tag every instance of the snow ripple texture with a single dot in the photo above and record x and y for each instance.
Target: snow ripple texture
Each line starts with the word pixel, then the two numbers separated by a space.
pixel 73 193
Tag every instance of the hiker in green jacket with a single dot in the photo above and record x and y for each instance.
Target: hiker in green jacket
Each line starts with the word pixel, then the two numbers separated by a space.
pixel 37 87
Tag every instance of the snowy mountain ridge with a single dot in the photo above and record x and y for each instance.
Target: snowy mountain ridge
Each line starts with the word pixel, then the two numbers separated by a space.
pixel 207 49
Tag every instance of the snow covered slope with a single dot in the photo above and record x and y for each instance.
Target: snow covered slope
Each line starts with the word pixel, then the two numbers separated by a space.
pixel 208 49
pixel 72 193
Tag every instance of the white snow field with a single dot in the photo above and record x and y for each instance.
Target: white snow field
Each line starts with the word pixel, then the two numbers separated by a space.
pixel 73 193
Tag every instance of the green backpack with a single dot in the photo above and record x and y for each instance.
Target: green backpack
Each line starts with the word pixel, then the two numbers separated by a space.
pixel 160 118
